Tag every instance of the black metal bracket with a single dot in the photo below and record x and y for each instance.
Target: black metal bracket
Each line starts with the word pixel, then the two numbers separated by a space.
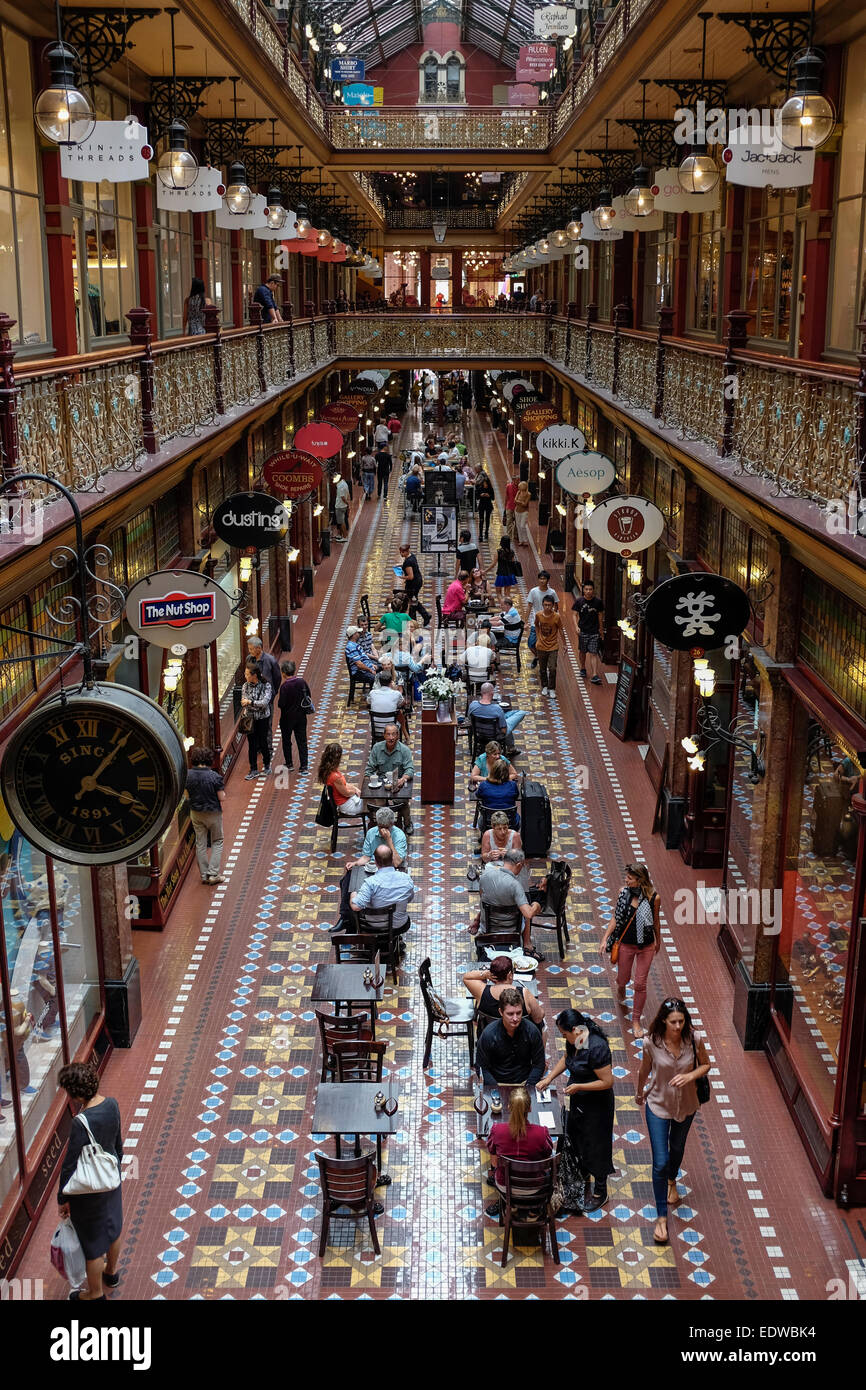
pixel 655 137
pixel 688 89
pixel 223 137
pixel 101 36
pixel 711 730
pixel 776 39
pixel 187 100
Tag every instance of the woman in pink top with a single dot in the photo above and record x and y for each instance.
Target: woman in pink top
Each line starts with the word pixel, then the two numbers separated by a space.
pixel 677 1058
pixel 455 596
pixel 510 499
pixel 516 1139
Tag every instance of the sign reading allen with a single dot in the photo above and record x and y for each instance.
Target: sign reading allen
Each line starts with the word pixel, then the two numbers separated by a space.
pixel 179 610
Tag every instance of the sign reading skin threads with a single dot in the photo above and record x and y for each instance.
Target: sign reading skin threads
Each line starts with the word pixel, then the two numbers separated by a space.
pixel 322 440
pixel 251 519
pixel 554 442
pixel 292 474
pixel 116 152
pixel 205 195
pixel 625 524
pixel 169 603
pixel 580 473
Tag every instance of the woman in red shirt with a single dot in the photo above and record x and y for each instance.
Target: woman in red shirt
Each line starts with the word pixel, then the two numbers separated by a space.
pixel 510 499
pixel 516 1139
pixel 346 794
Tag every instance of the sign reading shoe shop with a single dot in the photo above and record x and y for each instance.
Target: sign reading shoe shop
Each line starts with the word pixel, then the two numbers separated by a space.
pixel 293 474
pixel 178 606
pixel 251 519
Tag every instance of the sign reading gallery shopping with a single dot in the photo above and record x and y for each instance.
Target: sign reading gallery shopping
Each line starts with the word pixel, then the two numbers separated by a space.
pixel 251 519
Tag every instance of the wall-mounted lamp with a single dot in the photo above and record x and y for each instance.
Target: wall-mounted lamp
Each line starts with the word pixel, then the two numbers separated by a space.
pixel 252 627
pixel 317 511
pixel 245 569
pixel 293 554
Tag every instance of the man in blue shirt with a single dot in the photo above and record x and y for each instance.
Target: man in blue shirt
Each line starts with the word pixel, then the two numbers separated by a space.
pixel 364 667
pixel 486 708
pixel 264 295
pixel 386 886
pixel 384 832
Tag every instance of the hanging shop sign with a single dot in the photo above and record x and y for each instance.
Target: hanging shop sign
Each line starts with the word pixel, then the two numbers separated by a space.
pixel 240 221
pixel 319 438
pixel 341 414
pixel 361 94
pixel 535 62
pixel 205 195
pixel 696 610
pixel 522 400
pixel 438 530
pixel 178 606
pixel 767 164
pixel 116 152
pixel 347 69
pixel 537 417
pixel 625 222
pixel 364 385
pixel 556 440
pixel 557 21
pixel 251 519
pixel 371 374
pixel 670 196
pixel 94 776
pixel 292 474
pixel 591 232
pixel 357 402
pixel 580 473
pixel 520 383
pixel 625 524
pixel 491 177
pixel 440 272
pixel 522 94
pixel 288 232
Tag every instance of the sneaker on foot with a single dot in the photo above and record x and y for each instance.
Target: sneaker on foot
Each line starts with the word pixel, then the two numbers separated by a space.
pixel 544 690
pixel 493 1209
pixel 583 670
pixel 552 693
pixel 596 680
pixel 251 776
pixel 533 663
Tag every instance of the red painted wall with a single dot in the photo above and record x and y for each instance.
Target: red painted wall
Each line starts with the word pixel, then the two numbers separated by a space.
pixel 399 76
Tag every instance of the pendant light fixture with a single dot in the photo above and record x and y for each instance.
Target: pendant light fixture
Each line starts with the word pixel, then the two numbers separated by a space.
pixel 699 173
pixel 275 212
pixel 238 194
pixel 177 166
pixel 303 225
pixel 639 201
pixel 604 214
pixel 807 119
pixel 62 112
pixel 574 226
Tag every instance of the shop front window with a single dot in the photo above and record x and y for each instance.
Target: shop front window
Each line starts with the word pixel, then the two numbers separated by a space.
pixel 659 269
pixel 770 258
pixel 706 260
pixel 23 281
pixel 604 251
pixel 746 806
pixel 175 250
pixel 848 277
pixel 103 265
pixel 218 285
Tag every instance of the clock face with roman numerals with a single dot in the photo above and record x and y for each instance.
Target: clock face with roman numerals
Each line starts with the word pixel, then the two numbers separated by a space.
pixel 94 778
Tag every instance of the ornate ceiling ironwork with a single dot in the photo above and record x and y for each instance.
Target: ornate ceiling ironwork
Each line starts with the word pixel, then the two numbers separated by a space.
pixel 187 100
pixel 689 89
pixel 101 36
pixel 655 138
pixel 225 138
pixel 776 38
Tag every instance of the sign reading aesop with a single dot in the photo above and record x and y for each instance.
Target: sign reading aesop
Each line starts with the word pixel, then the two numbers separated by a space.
pixel 292 474
pixel 251 519
pixel 582 473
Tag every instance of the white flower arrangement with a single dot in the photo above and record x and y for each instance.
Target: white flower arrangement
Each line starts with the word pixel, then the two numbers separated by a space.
pixel 438 688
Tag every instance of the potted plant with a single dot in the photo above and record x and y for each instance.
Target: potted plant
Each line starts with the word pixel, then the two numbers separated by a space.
pixel 439 689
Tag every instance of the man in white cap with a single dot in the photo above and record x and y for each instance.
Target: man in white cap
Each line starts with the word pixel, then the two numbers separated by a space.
pixel 363 668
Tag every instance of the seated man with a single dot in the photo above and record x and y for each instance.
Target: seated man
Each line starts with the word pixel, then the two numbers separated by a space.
pixel 501 887
pixel 498 791
pixel 385 698
pixel 386 886
pixel 365 668
pixel 511 1051
pixel 370 645
pixel 384 832
pixel 492 754
pixel 486 708
pixel 507 629
pixel 455 595
pixel 390 755
pixel 480 655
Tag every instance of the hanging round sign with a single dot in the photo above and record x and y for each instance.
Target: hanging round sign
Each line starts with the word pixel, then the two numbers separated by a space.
pixel 539 416
pixel 580 473
pixel 172 604
pixel 341 414
pixel 625 524
pixel 519 383
pixel 379 378
pixel 697 610
pixel 292 474
pixel 524 399
pixel 555 441
pixel 364 386
pixel 357 402
pixel 251 519
pixel 319 438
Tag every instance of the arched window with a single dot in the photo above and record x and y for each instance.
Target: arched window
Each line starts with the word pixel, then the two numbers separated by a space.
pixel 441 78
pixel 431 77
pixel 453 74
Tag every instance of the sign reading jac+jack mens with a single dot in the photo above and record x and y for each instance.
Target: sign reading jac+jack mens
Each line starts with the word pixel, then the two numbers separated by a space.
pixel 116 152
pixel 696 610
pixel 342 414
pixel 292 474
pixel 581 473
pixel 538 416
pixel 535 62
pixel 251 519
pixel 625 524
pixel 178 606
pixel 759 163
pixel 557 440
pixel 319 438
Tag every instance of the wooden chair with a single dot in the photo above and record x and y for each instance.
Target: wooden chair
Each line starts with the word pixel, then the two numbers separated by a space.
pixel 354 948
pixel 455 620
pixel 355 679
pixel 528 1190
pixel 502 928
pixel 552 916
pixel 335 1028
pixel 484 814
pixel 365 611
pixel 342 818
pixel 378 923
pixel 380 722
pixel 347 1182
pixel 360 1061
pixel 448 1018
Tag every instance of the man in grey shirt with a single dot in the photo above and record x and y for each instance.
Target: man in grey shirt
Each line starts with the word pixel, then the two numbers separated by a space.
pixel 501 887
pixel 390 755
pixel 386 886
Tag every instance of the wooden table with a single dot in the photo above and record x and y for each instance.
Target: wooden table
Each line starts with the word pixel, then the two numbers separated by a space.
pixel 385 796
pixel 438 744
pixel 344 984
pixel 346 1107
pixel 538 1110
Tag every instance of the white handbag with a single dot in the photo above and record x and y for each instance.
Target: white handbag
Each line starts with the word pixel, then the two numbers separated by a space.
pixel 97 1170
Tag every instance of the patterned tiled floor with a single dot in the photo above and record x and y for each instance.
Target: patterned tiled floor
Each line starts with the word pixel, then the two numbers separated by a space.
pixel 217 1093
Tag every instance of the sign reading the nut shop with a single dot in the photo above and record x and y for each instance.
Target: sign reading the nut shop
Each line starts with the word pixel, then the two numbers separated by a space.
pixel 173 606
pixel 251 519
pixel 537 417
pixel 292 474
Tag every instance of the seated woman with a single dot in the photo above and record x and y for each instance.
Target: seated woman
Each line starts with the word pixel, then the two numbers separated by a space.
pixel 498 792
pixel 516 1138
pixel 492 754
pixel 499 838
pixel 413 652
pixel 487 983
pixel 346 794
pixel 478 585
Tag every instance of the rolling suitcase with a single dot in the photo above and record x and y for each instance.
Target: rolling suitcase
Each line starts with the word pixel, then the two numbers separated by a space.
pixel 536 827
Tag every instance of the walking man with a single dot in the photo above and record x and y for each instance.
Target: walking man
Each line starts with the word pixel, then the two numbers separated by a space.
pixel 384 464
pixel 590 635
pixel 548 630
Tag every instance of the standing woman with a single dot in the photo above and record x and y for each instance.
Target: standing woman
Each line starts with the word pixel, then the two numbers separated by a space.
pixel 295 702
pixel 678 1059
pixel 257 696
pixel 635 927
pixel 97 1217
pixel 484 504
pixel 346 794
pixel 194 307
pixel 506 565
pixel 590 1090
pixel 521 513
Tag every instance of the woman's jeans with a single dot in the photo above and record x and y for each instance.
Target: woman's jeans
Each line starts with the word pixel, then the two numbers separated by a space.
pixel 668 1140
pixel 642 958
pixel 369 482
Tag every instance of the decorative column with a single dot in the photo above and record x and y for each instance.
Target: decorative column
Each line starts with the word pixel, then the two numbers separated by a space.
pixel 145 246
pixel 256 322
pixel 457 279
pixel 681 274
pixel 199 248
pixel 8 401
pixel 732 259
pixel 666 316
pixel 425 282
pixel 212 325
pixel 735 339
pixel 139 336
pixel 621 316
pixel 819 227
pixel 60 252
pixel 621 273
pixel 122 981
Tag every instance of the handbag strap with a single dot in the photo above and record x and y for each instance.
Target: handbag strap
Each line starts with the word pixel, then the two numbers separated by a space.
pixel 93 1139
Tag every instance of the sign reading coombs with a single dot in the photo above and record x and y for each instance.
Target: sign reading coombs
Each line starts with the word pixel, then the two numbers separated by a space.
pixel 292 474
pixel 696 610
pixel 555 441
pixel 178 606
pixel 625 524
pixel 251 519
pixel 319 438
pixel 341 414
pixel 580 473
pixel 538 416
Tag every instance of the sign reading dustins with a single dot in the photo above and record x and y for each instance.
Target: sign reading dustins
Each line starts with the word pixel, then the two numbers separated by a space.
pixel 178 606
pixel 251 519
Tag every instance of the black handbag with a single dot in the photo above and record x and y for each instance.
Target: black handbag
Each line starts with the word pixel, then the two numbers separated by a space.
pixel 307 705
pixel 245 723
pixel 325 813
pixel 702 1085
pixel 517 568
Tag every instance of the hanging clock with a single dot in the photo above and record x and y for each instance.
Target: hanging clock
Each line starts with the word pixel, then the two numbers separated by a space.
pixel 94 777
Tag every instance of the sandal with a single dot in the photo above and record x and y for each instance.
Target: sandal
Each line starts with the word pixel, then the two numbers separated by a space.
pixel 661 1240
pixel 674 1197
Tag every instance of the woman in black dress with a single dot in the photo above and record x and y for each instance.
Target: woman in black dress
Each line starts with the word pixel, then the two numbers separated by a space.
pixel 97 1217
pixel 507 565
pixel 590 1115
pixel 484 503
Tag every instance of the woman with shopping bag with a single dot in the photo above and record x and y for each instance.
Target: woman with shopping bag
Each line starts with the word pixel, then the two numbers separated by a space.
pixel 89 1190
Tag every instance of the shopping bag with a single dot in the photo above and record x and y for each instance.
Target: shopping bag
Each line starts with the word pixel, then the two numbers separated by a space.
pixel 67 1255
